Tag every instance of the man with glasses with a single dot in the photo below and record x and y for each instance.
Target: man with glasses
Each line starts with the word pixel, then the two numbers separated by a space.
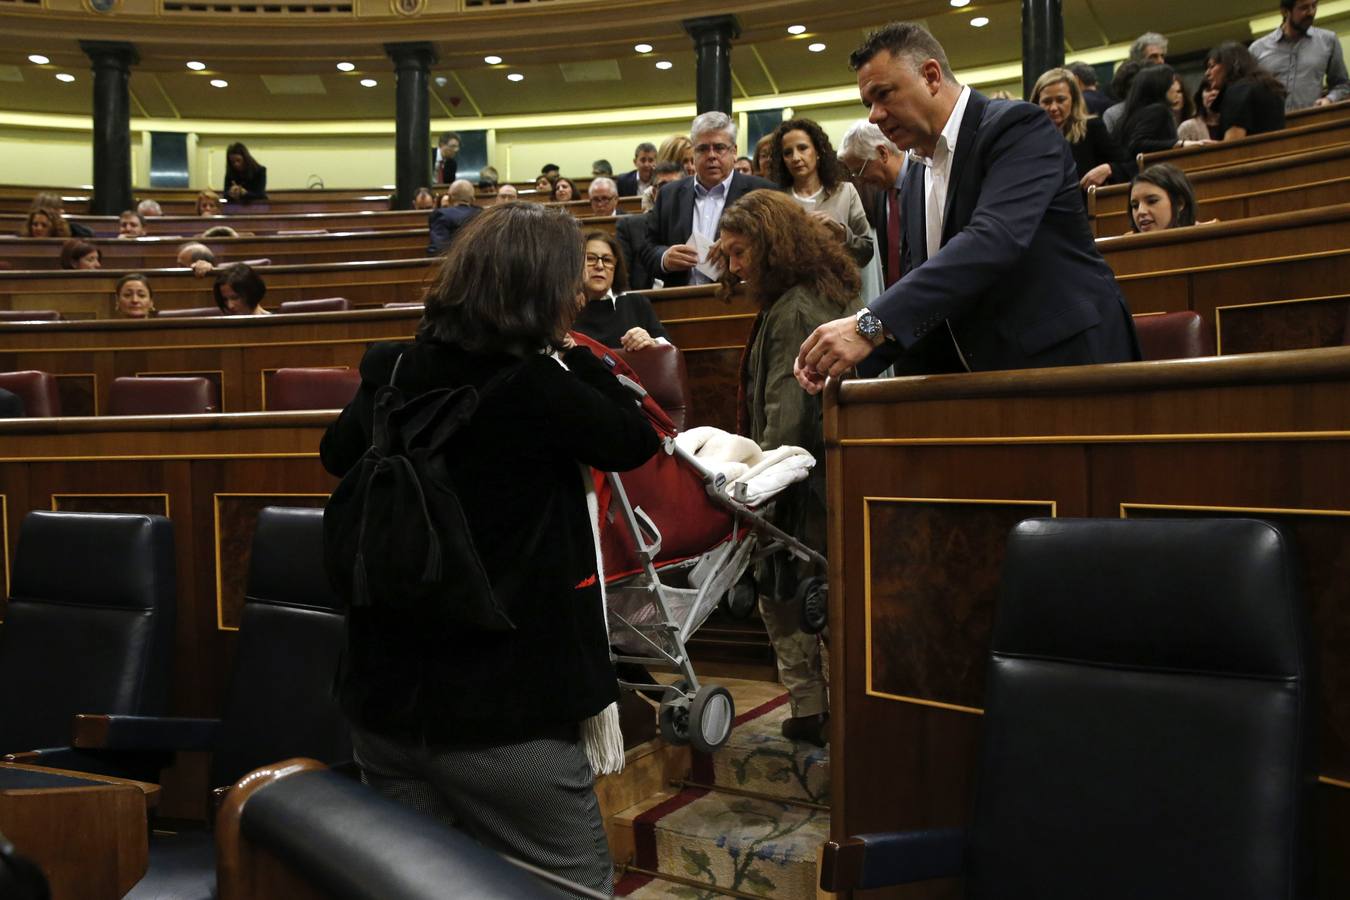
pixel 604 196
pixel 872 160
pixel 693 205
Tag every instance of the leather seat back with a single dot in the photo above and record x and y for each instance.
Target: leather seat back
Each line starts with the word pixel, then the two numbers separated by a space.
pixel 37 390
pixel 156 396
pixel 327 304
pixel 312 388
pixel 1175 335
pixel 280 700
pixel 662 372
pixel 1148 723
pixel 90 623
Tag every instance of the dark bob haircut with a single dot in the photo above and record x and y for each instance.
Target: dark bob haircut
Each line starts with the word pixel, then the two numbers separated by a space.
pixel 74 250
pixel 828 167
pixel 1178 188
pixel 246 284
pixel 509 281
pixel 620 267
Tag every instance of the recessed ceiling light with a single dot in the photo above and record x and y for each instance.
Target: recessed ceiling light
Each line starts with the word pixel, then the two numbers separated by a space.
pixel 346 67
pixel 493 60
pixel 643 48
pixel 219 82
pixel 664 64
pixel 38 59
pixel 195 66
pixel 816 47
pixel 65 76
pixel 979 21
pixel 960 3
pixel 368 82
pixel 515 76
pixel 800 29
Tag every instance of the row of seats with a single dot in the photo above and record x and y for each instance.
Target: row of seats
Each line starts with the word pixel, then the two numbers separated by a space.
pixel 326 304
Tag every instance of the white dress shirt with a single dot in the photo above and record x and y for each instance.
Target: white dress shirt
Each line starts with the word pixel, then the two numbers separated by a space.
pixel 937 173
pixel 708 206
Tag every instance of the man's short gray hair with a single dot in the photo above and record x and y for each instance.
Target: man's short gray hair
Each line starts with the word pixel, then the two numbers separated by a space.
pixel 713 120
pixel 862 140
pixel 1144 41
pixel 148 208
pixel 602 180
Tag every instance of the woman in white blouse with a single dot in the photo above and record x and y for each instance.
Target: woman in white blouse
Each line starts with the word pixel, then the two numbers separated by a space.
pixel 805 162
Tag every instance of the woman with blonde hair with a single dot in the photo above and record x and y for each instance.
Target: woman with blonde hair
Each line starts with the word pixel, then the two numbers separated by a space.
pixel 677 148
pixel 1099 158
pixel 44 222
pixel 208 203
pixel 800 277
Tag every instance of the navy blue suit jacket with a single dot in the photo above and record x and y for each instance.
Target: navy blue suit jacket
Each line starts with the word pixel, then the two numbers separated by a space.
pixel 627 184
pixel 444 222
pixel 671 221
pixel 1017 282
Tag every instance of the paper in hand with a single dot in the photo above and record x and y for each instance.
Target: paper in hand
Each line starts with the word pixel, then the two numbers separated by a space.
pixel 702 243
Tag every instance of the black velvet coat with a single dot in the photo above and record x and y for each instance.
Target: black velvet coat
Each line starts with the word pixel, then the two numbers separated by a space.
pixel 515 468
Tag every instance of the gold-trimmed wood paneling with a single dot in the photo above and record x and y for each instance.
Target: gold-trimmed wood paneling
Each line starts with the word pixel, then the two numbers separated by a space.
pixel 65 390
pixel 236 526
pixel 70 502
pixel 1266 304
pixel 927 553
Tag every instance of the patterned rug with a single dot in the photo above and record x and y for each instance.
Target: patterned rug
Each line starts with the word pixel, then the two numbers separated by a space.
pixel 757 846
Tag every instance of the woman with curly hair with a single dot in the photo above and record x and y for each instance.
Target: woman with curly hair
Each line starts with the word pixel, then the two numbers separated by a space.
pixel 804 161
pixel 1099 158
pixel 800 278
pixel 1251 100
pixel 44 222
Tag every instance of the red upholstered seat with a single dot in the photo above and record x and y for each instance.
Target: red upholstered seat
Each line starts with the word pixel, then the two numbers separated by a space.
pixel 193 312
pixel 155 396
pixel 37 390
pixel 29 315
pixel 662 372
pixel 1178 335
pixel 312 388
pixel 328 304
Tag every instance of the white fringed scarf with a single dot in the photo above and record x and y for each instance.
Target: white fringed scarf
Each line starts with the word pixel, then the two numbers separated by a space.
pixel 601 733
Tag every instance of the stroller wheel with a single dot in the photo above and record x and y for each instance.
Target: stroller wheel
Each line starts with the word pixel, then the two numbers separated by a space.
pixel 815 596
pixel 673 716
pixel 710 718
pixel 743 597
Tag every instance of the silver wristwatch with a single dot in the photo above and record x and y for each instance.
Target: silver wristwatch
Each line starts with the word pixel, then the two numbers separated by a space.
pixel 868 325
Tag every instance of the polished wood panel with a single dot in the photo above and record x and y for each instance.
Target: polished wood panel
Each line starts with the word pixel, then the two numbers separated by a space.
pixel 1283 324
pixel 1271 145
pixel 244 870
pixel 1260 434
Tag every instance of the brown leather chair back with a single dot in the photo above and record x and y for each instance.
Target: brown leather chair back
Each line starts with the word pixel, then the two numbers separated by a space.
pixel 662 372
pixel 1177 335
pixel 162 396
pixel 328 304
pixel 37 390
pixel 29 315
pixel 190 313
pixel 312 388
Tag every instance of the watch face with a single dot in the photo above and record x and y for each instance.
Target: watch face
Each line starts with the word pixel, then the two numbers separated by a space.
pixel 868 323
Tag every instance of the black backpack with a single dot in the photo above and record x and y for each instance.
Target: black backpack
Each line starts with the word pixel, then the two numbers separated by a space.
pixel 394 532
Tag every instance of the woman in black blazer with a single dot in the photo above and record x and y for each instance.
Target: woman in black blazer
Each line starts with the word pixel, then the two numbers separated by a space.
pixel 499 733
pixel 1099 158
pixel 1150 122
pixel 245 180
pixel 1251 99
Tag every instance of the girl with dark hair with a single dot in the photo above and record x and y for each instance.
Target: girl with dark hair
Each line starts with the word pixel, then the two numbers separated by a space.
pixel 608 313
pixel 799 279
pixel 245 180
pixel 134 298
pixel 80 254
pixel 1251 99
pixel 1096 154
pixel 463 728
pixel 1161 197
pixel 1204 125
pixel 804 161
pixel 563 191
pixel 239 291
pixel 1150 122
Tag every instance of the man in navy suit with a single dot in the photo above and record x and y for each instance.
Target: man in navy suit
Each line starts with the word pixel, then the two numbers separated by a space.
pixel 695 203
pixel 1001 271
pixel 632 183
pixel 447 220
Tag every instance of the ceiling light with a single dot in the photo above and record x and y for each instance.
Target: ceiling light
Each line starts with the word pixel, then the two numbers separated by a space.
pixel 664 64
pixel 219 82
pixel 38 59
pixel 368 82
pixel 799 29
pixel 65 76
pixel 515 76
pixel 816 47
pixel 643 48
pixel 493 60
pixel 979 21
pixel 195 66
pixel 960 3
pixel 346 67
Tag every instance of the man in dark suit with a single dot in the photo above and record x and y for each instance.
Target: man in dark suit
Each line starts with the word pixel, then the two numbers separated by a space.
pixel 444 160
pixel 695 203
pixel 876 164
pixel 632 230
pixel 644 163
pixel 1001 271
pixel 447 220
pixel 1097 102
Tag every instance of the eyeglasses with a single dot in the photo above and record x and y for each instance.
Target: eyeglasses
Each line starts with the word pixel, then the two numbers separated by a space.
pixel 705 149
pixel 607 262
pixel 858 174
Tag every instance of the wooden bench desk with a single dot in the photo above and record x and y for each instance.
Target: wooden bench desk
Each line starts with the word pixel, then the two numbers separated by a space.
pixel 1271 145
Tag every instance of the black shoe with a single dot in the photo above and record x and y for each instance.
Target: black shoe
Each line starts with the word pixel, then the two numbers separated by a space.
pixel 808 729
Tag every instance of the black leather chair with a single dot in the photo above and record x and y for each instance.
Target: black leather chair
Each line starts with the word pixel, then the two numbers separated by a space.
pixel 279 702
pixel 298 829
pixel 20 879
pixel 90 626
pixel 1148 724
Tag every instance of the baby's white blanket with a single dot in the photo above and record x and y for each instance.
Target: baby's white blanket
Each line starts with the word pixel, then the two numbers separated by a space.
pixel 763 472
